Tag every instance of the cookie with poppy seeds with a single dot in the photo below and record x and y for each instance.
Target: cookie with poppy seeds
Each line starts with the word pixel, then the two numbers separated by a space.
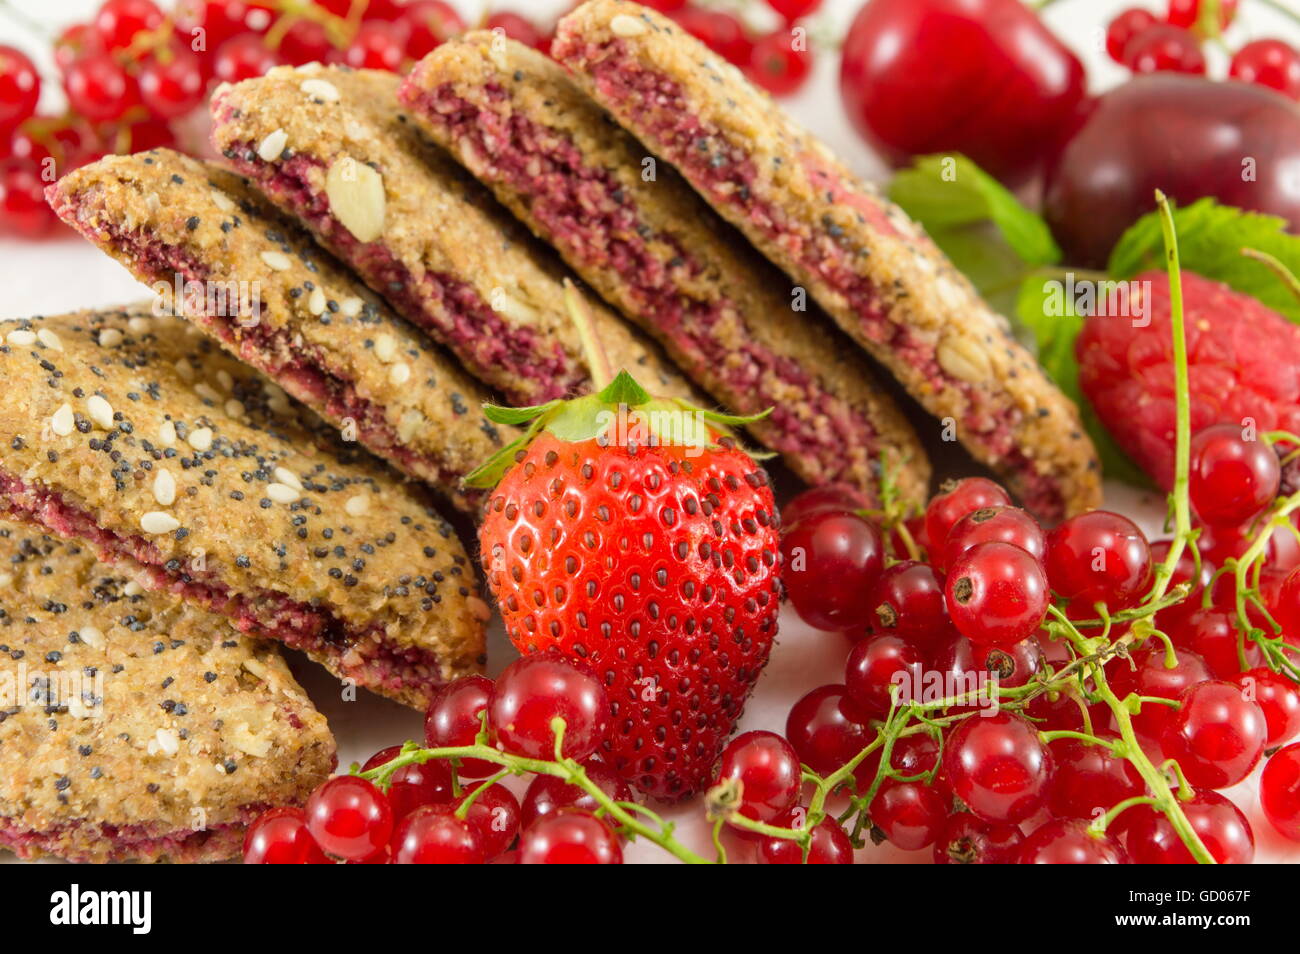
pixel 873 270
pixel 277 301
pixel 140 438
pixel 134 725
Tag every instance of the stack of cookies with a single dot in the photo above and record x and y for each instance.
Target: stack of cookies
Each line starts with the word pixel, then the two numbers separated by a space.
pixel 369 262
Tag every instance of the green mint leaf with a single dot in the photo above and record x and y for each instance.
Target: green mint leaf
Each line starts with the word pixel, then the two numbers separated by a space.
pixel 624 390
pixel 1210 242
pixel 516 415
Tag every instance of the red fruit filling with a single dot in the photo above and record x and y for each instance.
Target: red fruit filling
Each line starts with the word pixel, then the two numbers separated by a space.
pixel 585 209
pixel 730 177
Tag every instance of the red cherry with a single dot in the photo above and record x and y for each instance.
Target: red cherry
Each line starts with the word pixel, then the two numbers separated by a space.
pixel 20 86
pixel 1269 63
pixel 1279 791
pixel 910 814
pixel 998 767
pixel 966 840
pixel 547 794
pixel 1099 557
pixel 830 844
pixel 996 594
pixel 1278 697
pixel 1089 779
pixel 428 23
pixel 1164 49
pixel 780 65
pixel 118 22
pixel 1222 828
pixel 349 817
pixel 494 815
pixel 832 561
pixel 1232 480
pixel 171 87
pixel 1149 676
pixel 908 602
pixel 538 688
pixel 1217 735
pixel 1067 841
pixel 433 835
pixel 767 770
pixel 426 783
pixel 376 46
pixel 994 524
pixel 453 721
pixel 841 497
pixel 879 664
pixel 516 27
pixel 242 57
pixel 827 729
pixel 955 500
pixel 569 837
pixel 1123 28
pixel 280 837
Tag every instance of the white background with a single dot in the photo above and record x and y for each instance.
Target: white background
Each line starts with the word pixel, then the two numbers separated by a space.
pixel 66 273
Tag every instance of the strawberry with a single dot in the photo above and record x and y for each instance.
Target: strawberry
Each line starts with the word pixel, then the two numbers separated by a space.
pixel 635 536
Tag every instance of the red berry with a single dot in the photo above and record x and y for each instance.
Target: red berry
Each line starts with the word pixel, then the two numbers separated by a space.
pixel 831 562
pixel 1212 634
pixel 1187 13
pixel 98 88
pixel 1089 779
pixel 516 27
pixel 841 497
pixel 433 835
pixel 827 729
pixel 1099 557
pixel 453 721
pixel 968 667
pixel 1222 828
pixel 908 601
pixel 966 840
pixel 118 22
pixel 998 767
pixel 779 64
pixel 494 815
pixel 23 209
pixel 349 817
pixel 1285 605
pixel 992 524
pixel 1123 28
pixel 569 837
pixel 536 689
pixel 1149 676
pixel 173 86
pixel 20 87
pixel 910 814
pixel 280 837
pixel 911 757
pixel 954 501
pixel 767 770
pixel 376 46
pixel 1185 572
pixel 1164 48
pixel 74 42
pixel 1279 791
pixel 1270 63
pixel 1067 841
pixel 427 783
pixel 720 31
pixel 428 23
pixel 1217 735
pixel 1232 480
pixel 830 845
pixel 794 9
pixel 996 594
pixel 877 665
pixel 1278 697
pixel 242 57
pixel 305 42
pixel 547 794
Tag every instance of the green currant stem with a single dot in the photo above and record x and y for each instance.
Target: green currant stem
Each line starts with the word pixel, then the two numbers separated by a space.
pixel 1101 824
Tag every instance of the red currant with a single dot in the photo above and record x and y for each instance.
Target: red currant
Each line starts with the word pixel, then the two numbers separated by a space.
pixel 998 767
pixel 1217 735
pixel 720 31
pixel 830 844
pixel 1099 557
pixel 428 23
pixel 779 64
pixel 349 817
pixel 433 835
pixel 794 10
pixel 569 837
pixel 1123 28
pixel 767 771
pixel 98 88
pixel 427 783
pixel 516 27
pixel 1164 48
pixel 1068 841
pixel 1212 634
pixel 1184 572
pixel 376 46
pixel 966 840
pixel 20 87
pixel 536 689
pixel 996 594
pixel 832 561
pixel 23 209
pixel 1270 63
pixel 827 729
pixel 1278 697
pixel 1232 480
pixel 908 602
pixel 1285 605
pixel 1149 676
pixel 173 86
pixel 1187 13
pixel 991 524
pixel 956 499
pixel 1222 828
pixel 242 57
pixel 494 815
pixel 547 794
pixel 280 837
pixel 305 42
pixel 841 497
pixel 453 721
pixel 74 42
pixel 911 757
pixel 877 665
pixel 1089 778
pixel 118 22
pixel 911 815
pixel 1279 791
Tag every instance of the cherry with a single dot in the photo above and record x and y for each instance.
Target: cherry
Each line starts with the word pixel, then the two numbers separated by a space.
pixel 955 500
pixel 720 31
pixel 1278 697
pixel 989 524
pixel 778 65
pixel 118 22
pixel 547 794
pixel 427 783
pixel 538 688
pixel 1123 28
pixel 1269 63
pixel 20 86
pixel 1089 779
pixel 998 767
pixel 832 560
pixel 827 729
pixel 842 497
pixel 376 46
pixel 349 817
pixel 1212 634
pixel 879 664
pixel 966 840
pixel 830 844
pixel 767 771
pixel 1187 13
pixel 453 721
pixel 1222 828
pixel 911 815
pixel 494 815
pixel 428 23
pixel 1164 49
pixel 1217 735
pixel 516 27
pixel 1232 480
pixel 569 837
pixel 280 837
pixel 172 86
pixel 1067 841
pixel 794 10
pixel 1099 557
pixel 1279 791
pixel 23 209
pixel 433 835
pixel 996 594
pixel 1149 676
pixel 908 602
pixel 242 57
pixel 98 88
pixel 305 42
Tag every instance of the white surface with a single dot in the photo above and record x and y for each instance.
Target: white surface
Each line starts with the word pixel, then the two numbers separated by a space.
pixel 63 274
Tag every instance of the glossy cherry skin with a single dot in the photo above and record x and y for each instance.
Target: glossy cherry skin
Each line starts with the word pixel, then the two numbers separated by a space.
pixel 831 562
pixel 547 794
pixel 1218 735
pixel 879 664
pixel 1278 697
pixel 1279 791
pixel 1183 134
pixel 985 78
pixel 827 729
pixel 349 817
pixel 841 497
pixel 830 844
pixel 1099 557
pixel 967 840
pixel 996 594
pixel 452 720
pixel 1150 677
pixel 569 837
pixel 1067 841
pixel 1212 634
pixel 956 499
pixel 1231 479
pixel 910 814
pixel 433 835
pixel 534 690
pixel 1089 778
pixel 766 768
pixel 998 767
pixel 280 837
pixel 908 602
pixel 1223 829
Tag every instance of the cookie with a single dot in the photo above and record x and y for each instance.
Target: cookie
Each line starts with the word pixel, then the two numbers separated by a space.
pixel 280 303
pixel 642 238
pixel 873 270
pixel 138 436
pixel 134 725
pixel 331 147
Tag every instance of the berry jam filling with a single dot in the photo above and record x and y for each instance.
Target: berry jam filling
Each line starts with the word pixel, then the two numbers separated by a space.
pixel 358 653
pixel 730 177
pixel 448 308
pixel 587 211
pixel 129 842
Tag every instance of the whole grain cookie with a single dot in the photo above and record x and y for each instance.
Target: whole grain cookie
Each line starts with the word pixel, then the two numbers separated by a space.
pixel 143 440
pixel 873 270
pixel 283 305
pixel 642 238
pixel 331 147
pixel 134 725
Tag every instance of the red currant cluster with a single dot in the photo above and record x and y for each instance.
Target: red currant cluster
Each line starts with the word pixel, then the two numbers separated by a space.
pixel 1139 40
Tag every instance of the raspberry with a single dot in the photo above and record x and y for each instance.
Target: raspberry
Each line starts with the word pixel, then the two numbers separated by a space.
pixel 1243 361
